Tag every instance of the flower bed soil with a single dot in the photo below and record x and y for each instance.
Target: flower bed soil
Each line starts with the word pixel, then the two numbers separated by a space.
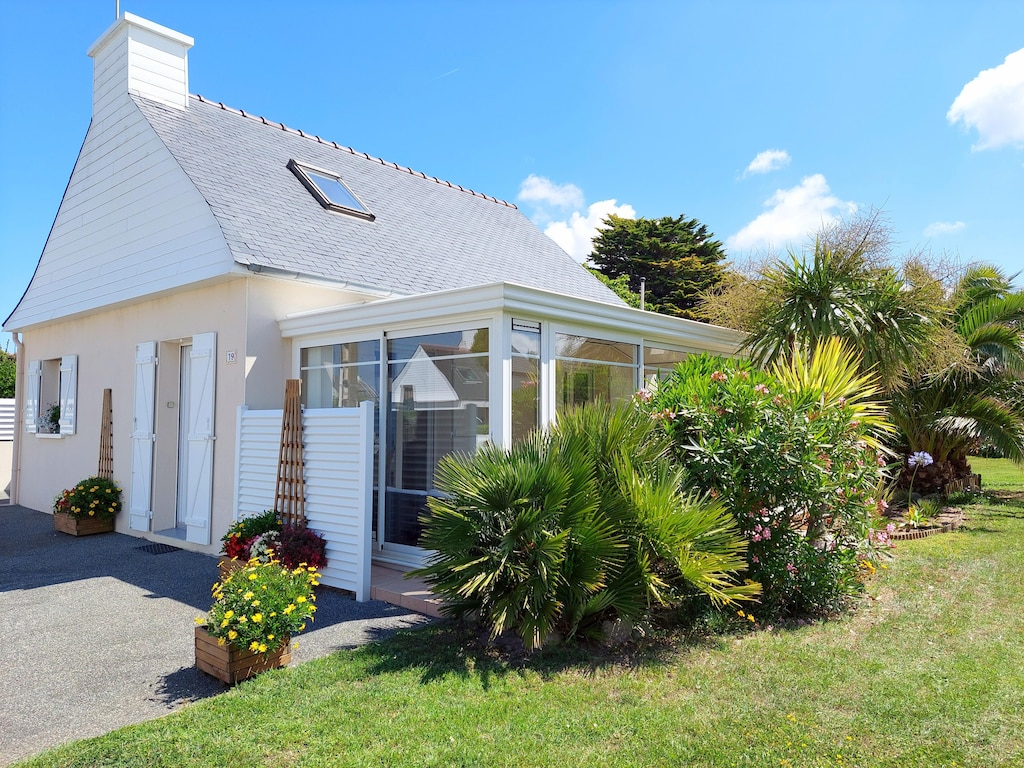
pixel 949 519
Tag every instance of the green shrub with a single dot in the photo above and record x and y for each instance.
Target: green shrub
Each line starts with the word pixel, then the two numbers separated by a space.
pixel 567 528
pixel 794 454
pixel 93 497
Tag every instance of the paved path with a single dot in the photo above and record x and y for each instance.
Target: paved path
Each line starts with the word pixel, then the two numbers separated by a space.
pixel 98 633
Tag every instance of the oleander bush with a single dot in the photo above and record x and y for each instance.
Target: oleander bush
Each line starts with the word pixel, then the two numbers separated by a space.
pixel 794 452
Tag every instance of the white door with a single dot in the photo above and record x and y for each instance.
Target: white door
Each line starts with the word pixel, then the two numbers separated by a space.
pixel 140 494
pixel 200 436
pixel 184 382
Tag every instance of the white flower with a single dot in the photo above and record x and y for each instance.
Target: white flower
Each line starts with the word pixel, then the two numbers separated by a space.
pixel 919 459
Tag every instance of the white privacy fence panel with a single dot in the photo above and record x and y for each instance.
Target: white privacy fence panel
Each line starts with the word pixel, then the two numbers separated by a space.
pixel 338 444
pixel 259 437
pixel 6 419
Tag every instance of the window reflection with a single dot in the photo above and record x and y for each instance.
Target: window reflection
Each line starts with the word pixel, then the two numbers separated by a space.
pixel 439 403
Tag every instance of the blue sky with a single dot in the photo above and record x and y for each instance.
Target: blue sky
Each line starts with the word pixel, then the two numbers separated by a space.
pixel 762 120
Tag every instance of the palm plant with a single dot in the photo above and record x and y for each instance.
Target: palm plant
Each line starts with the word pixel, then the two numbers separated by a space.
pixel 977 392
pixel 570 527
pixel 841 294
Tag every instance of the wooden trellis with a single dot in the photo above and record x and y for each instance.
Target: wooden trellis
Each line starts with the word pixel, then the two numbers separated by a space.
pixel 106 466
pixel 290 493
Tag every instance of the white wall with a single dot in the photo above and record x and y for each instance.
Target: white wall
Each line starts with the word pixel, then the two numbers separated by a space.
pixel 105 345
pixel 131 224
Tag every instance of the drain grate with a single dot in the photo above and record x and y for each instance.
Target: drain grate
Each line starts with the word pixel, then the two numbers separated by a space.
pixel 158 549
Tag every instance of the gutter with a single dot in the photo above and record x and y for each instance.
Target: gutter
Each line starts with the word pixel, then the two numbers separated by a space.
pixel 19 415
pixel 347 285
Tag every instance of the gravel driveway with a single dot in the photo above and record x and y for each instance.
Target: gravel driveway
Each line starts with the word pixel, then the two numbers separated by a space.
pixel 98 631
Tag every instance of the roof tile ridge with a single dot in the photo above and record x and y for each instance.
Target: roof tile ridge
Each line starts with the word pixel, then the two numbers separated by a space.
pixel 350 150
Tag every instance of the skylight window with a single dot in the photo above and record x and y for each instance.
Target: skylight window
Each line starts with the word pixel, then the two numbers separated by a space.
pixel 329 190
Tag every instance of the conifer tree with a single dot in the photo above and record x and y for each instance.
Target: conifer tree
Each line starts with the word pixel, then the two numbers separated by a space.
pixel 677 257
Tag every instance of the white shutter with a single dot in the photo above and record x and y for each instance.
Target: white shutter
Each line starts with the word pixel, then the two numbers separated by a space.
pixel 35 378
pixel 140 495
pixel 199 477
pixel 68 393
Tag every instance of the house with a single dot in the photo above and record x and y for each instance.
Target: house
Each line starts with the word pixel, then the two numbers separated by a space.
pixel 201 256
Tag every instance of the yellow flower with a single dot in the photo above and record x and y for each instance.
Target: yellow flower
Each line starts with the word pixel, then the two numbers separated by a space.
pixel 92 513
pixel 232 634
pixel 200 619
pixel 247 596
pixel 228 614
pixel 242 619
pixel 255 603
pixel 257 617
pixel 289 609
pixel 253 576
pixel 300 599
pixel 254 646
pixel 220 641
pixel 263 647
pixel 224 623
pixel 270 637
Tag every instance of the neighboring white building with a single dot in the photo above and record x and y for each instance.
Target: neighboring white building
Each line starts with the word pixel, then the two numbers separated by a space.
pixel 201 256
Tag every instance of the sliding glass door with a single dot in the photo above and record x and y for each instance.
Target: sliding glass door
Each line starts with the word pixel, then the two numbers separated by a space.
pixel 438 389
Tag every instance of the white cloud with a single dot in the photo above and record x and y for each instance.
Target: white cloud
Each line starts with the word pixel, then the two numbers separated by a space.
pixel 575 234
pixel 768 161
pixel 792 215
pixel 993 102
pixel 938 228
pixel 541 191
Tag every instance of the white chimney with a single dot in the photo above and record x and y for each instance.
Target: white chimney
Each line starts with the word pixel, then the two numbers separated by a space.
pixel 138 56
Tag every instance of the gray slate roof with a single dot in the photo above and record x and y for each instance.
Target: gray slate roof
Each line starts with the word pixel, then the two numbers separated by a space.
pixel 427 236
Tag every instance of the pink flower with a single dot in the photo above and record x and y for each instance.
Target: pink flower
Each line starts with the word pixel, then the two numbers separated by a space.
pixel 790 567
pixel 718 376
pixel 753 559
pixel 891 527
pixel 766 533
pixel 762 388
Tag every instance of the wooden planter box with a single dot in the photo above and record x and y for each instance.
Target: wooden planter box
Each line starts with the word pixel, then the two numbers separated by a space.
pixel 81 526
pixel 231 664
pixel 228 565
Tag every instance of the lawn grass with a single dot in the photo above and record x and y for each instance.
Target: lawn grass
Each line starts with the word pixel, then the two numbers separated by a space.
pixel 929 671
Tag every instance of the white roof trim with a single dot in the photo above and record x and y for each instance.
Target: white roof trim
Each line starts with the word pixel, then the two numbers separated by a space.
pixel 531 303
